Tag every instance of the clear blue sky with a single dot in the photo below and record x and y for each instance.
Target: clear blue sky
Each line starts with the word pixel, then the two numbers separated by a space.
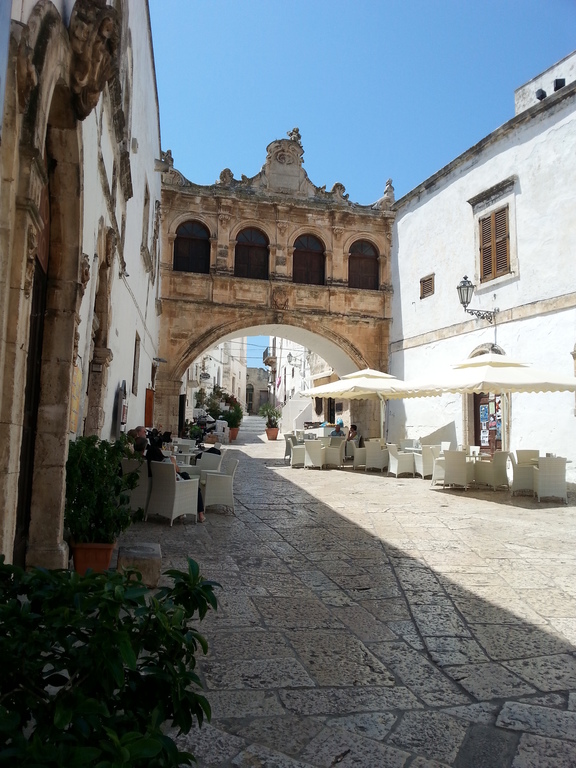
pixel 378 88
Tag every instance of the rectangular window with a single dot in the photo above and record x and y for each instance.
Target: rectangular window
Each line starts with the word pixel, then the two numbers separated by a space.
pixel 426 286
pixel 136 365
pixel 494 244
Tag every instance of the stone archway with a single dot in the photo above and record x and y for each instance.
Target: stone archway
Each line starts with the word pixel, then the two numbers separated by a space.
pixel 199 310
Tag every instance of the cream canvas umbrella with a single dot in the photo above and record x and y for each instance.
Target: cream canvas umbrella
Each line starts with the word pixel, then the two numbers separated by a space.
pixel 491 374
pixel 367 384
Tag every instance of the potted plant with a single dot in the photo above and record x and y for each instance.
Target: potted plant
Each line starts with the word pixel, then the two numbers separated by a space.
pixel 272 416
pixel 233 417
pixel 99 670
pixel 97 507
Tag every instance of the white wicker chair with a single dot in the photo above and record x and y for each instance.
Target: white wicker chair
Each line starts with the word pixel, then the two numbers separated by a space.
pixel 376 456
pixel 526 455
pixel 298 456
pixel 399 463
pixel 169 497
pixel 290 440
pixel 493 472
pixel 140 495
pixel 424 462
pixel 522 476
pixel 358 456
pixel 550 478
pixel 458 471
pixel 438 470
pixel 219 486
pixel 334 454
pixel 315 454
pixel 205 461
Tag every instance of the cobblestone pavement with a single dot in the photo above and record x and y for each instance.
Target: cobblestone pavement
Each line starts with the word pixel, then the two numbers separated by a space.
pixel 375 622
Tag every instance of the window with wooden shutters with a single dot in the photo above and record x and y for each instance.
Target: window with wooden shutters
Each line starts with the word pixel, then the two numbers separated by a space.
pixel 494 245
pixel 251 255
pixel 308 261
pixel 363 266
pixel 192 248
pixel 426 286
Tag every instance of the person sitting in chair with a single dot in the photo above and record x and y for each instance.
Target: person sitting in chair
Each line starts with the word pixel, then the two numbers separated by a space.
pixel 337 431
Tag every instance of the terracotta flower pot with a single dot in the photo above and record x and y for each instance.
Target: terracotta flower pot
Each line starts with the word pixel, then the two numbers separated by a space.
pixel 234 433
pixel 94 556
pixel 272 433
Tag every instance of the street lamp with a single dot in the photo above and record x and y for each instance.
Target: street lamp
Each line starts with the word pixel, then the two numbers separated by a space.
pixel 293 361
pixel 465 292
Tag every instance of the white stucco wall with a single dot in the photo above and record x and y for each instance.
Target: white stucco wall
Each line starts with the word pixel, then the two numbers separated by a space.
pixel 436 233
pixel 133 293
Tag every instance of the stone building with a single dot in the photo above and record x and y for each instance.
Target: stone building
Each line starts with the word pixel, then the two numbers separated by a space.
pixel 503 213
pixel 275 255
pixel 79 238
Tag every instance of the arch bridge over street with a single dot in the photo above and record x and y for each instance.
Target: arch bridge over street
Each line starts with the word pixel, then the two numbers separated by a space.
pixel 271 254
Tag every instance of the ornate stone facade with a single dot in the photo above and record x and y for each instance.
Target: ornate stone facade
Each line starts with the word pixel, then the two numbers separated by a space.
pixel 282 203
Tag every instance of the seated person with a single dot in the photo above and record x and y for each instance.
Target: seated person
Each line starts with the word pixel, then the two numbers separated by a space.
pixel 154 453
pixel 337 431
pixel 352 432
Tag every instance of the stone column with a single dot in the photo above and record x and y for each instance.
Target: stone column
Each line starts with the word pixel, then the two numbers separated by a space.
pixel 166 401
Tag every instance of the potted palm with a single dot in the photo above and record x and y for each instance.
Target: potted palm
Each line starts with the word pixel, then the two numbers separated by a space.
pixel 233 417
pixel 97 507
pixel 272 416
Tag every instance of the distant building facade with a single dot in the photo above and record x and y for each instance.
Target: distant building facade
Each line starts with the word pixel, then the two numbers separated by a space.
pixel 503 214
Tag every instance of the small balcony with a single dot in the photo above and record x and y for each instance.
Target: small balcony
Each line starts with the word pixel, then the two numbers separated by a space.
pixel 269 357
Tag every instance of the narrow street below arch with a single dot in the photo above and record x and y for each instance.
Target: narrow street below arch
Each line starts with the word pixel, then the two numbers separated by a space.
pixel 373 621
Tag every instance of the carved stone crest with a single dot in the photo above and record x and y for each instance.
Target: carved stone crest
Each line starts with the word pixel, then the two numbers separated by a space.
pixel 94 36
pixel 280 298
pixel 84 273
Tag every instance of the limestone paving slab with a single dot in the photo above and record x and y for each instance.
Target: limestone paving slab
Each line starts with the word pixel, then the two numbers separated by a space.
pixel 547 673
pixel 432 734
pixel 289 732
pixel 255 673
pixel 537 752
pixel 333 747
pixel 489 681
pixel 541 721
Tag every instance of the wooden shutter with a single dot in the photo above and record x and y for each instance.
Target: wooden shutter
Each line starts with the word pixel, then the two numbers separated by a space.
pixel 426 286
pixel 494 245
pixel 501 240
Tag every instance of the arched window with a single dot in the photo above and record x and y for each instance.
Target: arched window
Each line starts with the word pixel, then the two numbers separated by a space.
pixel 192 248
pixel 251 257
pixel 363 266
pixel 308 261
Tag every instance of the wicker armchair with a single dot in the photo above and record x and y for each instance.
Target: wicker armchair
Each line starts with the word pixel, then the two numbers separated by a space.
pixel 399 463
pixel 458 471
pixel 550 478
pixel 170 497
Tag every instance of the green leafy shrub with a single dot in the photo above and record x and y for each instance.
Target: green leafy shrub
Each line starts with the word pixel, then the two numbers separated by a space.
pixel 97 502
pixel 95 667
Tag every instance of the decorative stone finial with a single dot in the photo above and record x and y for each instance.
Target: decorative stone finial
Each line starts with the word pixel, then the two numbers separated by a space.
pixel 294 135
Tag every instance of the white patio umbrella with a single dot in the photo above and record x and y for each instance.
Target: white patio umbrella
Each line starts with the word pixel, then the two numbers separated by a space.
pixel 367 384
pixel 492 374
